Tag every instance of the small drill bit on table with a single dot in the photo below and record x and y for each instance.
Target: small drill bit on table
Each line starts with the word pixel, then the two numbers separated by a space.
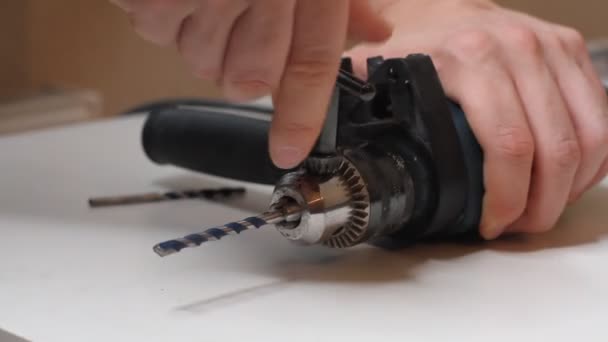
pixel 166 196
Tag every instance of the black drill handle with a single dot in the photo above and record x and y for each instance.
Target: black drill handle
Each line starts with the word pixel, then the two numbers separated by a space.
pixel 213 142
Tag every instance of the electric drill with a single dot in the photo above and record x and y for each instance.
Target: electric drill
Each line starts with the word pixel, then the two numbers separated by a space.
pixel 396 162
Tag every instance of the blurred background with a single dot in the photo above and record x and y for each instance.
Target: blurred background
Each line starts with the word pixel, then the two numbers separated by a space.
pixel 65 61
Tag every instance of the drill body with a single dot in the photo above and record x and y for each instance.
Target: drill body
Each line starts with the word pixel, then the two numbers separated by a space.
pixel 406 162
pixel 392 169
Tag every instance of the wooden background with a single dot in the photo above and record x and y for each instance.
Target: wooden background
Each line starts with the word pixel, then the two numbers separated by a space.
pixel 88 43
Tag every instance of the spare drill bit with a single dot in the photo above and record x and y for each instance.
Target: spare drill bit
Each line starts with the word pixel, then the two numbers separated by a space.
pixel 167 196
pixel 287 214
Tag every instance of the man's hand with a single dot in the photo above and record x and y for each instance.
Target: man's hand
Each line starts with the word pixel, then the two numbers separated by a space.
pixel 528 87
pixel 530 93
pixel 288 48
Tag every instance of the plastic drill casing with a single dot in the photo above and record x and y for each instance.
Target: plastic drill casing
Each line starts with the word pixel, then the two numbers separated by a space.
pixel 410 123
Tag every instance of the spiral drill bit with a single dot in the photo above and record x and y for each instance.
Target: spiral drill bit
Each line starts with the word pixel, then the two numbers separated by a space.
pixel 286 214
pixel 167 196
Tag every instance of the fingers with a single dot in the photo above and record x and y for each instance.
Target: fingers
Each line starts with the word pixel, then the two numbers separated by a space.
pixel 557 152
pixel 286 47
pixel 365 24
pixel 258 48
pixel 534 102
pixel 203 38
pixel 157 21
pixel 487 94
pixel 574 44
pixel 308 80
pixel 586 101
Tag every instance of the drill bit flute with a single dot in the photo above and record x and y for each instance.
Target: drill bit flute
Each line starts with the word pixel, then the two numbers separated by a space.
pixel 288 214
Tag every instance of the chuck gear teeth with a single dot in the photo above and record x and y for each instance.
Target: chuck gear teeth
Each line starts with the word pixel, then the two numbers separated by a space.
pixel 355 229
pixel 323 165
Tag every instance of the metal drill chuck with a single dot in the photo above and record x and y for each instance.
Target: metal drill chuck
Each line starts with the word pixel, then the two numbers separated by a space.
pixel 369 195
pixel 335 206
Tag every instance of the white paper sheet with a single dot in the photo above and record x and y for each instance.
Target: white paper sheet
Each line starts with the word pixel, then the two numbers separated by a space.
pixel 70 273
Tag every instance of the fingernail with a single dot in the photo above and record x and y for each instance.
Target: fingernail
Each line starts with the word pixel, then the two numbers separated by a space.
pixel 287 157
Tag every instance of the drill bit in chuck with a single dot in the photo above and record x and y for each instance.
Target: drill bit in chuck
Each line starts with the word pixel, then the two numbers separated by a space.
pixel 286 214
pixel 307 207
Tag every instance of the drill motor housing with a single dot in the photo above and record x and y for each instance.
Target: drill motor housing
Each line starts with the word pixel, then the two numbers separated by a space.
pixel 411 148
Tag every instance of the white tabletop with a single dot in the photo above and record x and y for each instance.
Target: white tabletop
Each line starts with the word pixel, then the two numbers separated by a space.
pixel 71 273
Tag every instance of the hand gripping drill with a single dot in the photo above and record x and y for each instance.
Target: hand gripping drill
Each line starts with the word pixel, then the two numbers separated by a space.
pixel 395 163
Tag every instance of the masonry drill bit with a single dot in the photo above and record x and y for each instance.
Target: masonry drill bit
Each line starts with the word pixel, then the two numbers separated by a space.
pixel 167 196
pixel 286 214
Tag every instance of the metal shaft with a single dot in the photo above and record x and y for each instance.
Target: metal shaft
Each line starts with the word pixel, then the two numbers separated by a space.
pixel 167 196
pixel 232 228
pixel 348 82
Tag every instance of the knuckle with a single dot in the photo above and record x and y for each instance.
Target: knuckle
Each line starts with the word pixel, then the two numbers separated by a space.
pixel 251 83
pixel 203 66
pixel 297 128
pixel 573 40
pixel 311 72
pixel 523 39
pixel 203 70
pixel 248 79
pixel 313 63
pixel 313 46
pixel 566 153
pixel 553 43
pixel 475 45
pixel 515 144
pixel 314 53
